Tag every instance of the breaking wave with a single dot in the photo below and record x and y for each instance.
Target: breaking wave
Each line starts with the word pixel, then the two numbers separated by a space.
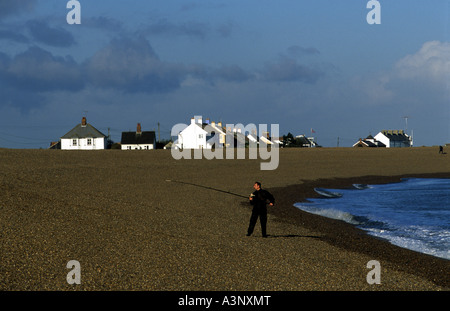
pixel 412 214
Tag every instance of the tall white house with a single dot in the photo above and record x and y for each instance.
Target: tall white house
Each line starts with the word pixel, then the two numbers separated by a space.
pixel 394 138
pixel 193 136
pixel 83 137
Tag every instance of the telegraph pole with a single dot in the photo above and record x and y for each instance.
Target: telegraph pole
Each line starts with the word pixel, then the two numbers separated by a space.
pixel 159 137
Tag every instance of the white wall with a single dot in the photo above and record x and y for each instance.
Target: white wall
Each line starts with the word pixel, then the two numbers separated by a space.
pixel 380 137
pixel 82 143
pixel 192 137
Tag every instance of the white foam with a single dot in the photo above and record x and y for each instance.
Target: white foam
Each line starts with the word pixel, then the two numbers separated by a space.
pixel 329 213
pixel 412 244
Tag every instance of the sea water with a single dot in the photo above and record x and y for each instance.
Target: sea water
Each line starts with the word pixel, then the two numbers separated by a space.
pixel 413 214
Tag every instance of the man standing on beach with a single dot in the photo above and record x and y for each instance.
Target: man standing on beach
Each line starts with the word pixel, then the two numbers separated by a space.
pixel 259 199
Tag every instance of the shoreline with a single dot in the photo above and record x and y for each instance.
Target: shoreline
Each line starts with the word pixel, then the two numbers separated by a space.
pixel 348 237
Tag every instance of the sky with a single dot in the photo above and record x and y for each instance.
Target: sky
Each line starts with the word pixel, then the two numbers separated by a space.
pixel 305 65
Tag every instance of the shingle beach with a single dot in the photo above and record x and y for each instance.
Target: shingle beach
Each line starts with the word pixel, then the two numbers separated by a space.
pixel 141 220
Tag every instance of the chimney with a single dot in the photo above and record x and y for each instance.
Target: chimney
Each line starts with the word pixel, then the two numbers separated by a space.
pixel 138 130
pixel 83 121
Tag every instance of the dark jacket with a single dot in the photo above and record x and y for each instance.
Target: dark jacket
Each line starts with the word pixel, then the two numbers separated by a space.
pixel 261 198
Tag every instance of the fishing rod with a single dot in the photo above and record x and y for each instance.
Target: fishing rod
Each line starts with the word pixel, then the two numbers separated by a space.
pixel 206 187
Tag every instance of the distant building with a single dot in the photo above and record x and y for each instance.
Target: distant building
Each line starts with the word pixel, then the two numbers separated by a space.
pixel 138 140
pixel 201 135
pixel 369 141
pixel 304 141
pixel 55 145
pixel 394 138
pixel 83 137
pixel 193 136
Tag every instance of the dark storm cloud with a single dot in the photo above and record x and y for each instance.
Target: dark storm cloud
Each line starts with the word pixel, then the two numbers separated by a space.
pixel 297 51
pixel 13 36
pixel 225 30
pixel 11 7
pixel 4 61
pixel 288 70
pixel 42 32
pixel 189 6
pixel 104 23
pixel 38 70
pixel 232 73
pixel 190 29
pixel 127 65
pixel 132 66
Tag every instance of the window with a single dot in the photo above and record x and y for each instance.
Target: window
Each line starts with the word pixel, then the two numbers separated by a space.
pixel 200 136
pixel 89 141
pixel 74 142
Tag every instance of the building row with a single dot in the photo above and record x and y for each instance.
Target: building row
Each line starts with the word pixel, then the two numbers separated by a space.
pixel 84 136
pixel 206 134
pixel 203 134
pixel 386 139
pixel 198 134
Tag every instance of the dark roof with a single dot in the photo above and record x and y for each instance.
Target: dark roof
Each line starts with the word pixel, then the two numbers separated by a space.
pixel 304 140
pixel 376 144
pixel 370 143
pixel 80 131
pixel 135 138
pixel 395 135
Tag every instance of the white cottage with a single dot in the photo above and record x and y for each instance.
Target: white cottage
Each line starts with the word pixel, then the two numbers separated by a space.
pixel 83 137
pixel 138 140
pixel 193 136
